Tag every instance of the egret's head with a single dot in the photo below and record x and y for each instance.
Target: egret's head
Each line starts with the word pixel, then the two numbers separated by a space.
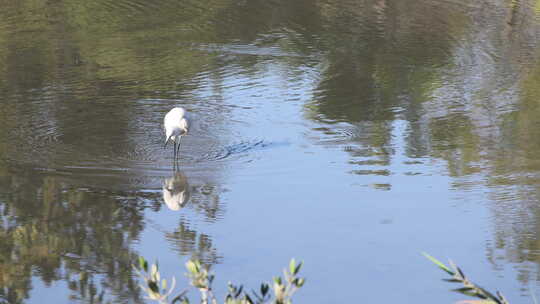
pixel 180 112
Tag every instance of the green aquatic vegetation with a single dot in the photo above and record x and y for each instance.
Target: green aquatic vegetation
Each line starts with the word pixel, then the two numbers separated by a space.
pixel 469 288
pixel 157 289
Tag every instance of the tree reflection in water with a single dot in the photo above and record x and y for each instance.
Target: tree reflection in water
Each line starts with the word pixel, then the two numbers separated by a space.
pixel 84 237
pixel 56 233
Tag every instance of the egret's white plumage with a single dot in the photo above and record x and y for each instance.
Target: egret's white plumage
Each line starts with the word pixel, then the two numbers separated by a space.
pixel 176 191
pixel 176 125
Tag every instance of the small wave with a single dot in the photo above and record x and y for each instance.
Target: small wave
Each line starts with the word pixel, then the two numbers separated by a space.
pixel 384 172
pixel 235 149
pixel 245 49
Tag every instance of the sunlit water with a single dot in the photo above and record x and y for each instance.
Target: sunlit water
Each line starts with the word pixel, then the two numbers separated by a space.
pixel 352 135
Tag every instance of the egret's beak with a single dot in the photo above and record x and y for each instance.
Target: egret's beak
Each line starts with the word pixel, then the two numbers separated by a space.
pixel 166 142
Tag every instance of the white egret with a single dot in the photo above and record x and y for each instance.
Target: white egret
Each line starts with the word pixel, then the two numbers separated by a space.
pixel 176 125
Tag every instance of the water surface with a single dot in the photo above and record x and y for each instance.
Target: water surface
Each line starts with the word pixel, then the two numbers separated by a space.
pixel 352 135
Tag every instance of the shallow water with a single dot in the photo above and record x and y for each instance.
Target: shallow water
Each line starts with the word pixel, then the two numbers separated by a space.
pixel 352 135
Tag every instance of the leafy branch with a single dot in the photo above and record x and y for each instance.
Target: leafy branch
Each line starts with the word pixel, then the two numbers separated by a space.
pixel 469 288
pixel 152 281
pixel 201 279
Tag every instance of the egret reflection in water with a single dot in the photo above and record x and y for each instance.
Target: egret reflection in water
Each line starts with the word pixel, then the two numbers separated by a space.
pixel 176 191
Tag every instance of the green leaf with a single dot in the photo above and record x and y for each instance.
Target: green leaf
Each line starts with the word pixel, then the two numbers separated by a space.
pixel 181 298
pixel 231 287
pixel 164 284
pixel 460 272
pixel 153 286
pixel 264 289
pixel 476 302
pixel 487 294
pixel 277 280
pixel 469 292
pixel 292 265
pixel 297 269
pixel 452 280
pixel 141 262
pixel 239 291
pixel 191 267
pixel 438 263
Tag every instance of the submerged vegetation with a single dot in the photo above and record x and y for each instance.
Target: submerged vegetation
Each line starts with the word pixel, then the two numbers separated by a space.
pixel 157 289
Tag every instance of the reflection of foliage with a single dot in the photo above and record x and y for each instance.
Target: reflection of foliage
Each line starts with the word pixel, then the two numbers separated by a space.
pixel 377 54
pixel 190 242
pixel 84 290
pixel 50 231
pixel 453 142
pixel 66 235
pixel 207 202
pixel 511 150
pixel 378 60
pixel 473 104
pixel 78 236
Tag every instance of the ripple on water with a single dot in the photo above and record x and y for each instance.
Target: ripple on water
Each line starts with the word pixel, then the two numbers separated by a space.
pixel 112 141
pixel 235 149
pixel 246 49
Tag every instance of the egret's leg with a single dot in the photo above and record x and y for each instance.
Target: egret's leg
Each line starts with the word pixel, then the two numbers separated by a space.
pixel 178 149
pixel 174 151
